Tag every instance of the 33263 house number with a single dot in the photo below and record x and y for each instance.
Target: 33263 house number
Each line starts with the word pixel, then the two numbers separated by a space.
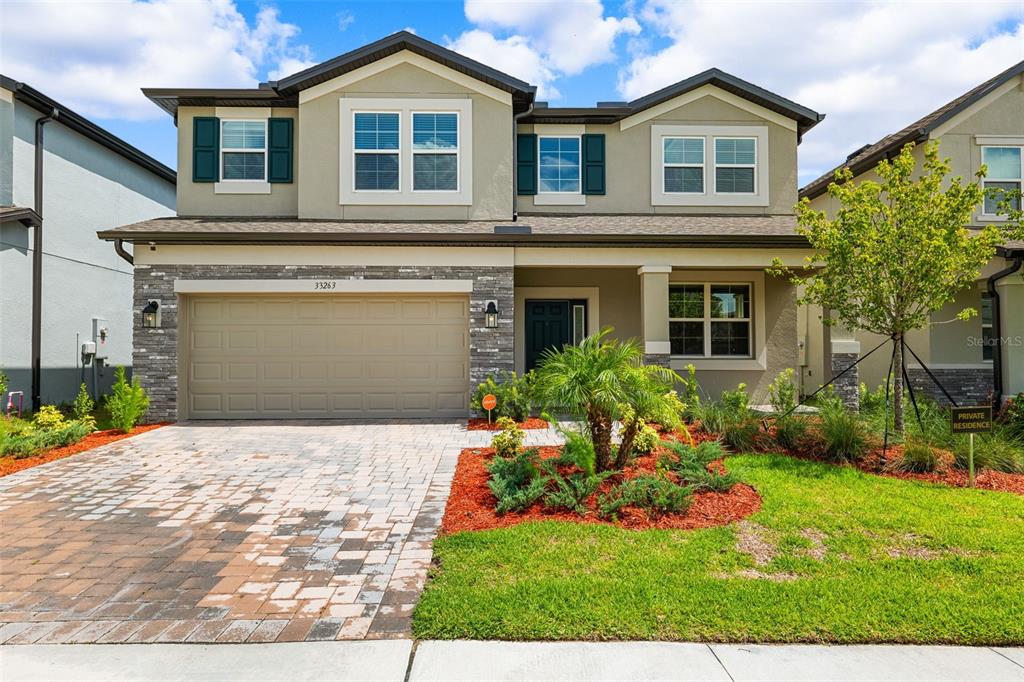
pixel 324 285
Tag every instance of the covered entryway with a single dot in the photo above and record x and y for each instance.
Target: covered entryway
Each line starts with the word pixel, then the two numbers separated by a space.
pixel 325 356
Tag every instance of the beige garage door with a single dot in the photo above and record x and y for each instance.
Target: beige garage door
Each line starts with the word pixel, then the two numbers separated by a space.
pixel 279 357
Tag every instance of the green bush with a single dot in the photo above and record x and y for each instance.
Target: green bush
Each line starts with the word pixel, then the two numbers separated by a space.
pixel 919 458
pixel 127 402
pixel 579 451
pixel 48 417
pixel 3 389
pixel 1012 418
pixel 782 392
pixel 509 440
pixel 514 394
pixel 691 391
pixel 742 434
pixel 872 401
pixel 690 464
pixel 736 402
pixel 845 438
pixel 656 494
pixel 646 440
pixel 712 417
pixel 83 406
pixel 29 442
pixel 789 431
pixel 516 481
pixel 570 492
pixel 993 451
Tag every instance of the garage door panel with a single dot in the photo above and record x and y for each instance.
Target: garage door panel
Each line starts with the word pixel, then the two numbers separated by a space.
pixel 327 356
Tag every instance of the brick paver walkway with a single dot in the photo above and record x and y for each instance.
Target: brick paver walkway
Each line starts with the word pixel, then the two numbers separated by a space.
pixel 228 532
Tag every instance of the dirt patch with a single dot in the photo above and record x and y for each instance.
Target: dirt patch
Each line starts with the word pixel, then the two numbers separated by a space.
pixel 10 465
pixel 756 541
pixel 754 574
pixel 478 424
pixel 817 550
pixel 471 504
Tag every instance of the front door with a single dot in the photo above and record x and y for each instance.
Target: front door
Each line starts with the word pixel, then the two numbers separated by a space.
pixel 552 324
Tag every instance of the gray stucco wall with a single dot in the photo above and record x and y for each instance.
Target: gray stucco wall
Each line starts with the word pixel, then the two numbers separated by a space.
pixel 156 350
pixel 87 188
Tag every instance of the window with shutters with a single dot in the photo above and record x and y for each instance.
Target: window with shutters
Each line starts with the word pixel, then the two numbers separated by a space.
pixel 243 150
pixel 559 164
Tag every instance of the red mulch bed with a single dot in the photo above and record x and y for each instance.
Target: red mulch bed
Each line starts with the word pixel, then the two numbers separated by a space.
pixel 9 465
pixel 471 504
pixel 480 424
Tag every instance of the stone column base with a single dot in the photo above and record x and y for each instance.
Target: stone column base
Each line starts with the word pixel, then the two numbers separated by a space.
pixel 847 386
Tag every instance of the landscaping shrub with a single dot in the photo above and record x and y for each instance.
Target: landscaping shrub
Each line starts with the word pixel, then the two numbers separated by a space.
pixel 872 401
pixel 742 433
pixel 514 394
pixel 690 464
pixel 711 416
pixel 656 494
pixel 992 451
pixel 782 392
pixel 48 417
pixel 83 406
pixel 1012 418
pixel 789 431
pixel 578 451
pixel 127 402
pixel 845 438
pixel 570 492
pixel 516 481
pixel 3 389
pixel 691 392
pixel 646 440
pixel 736 402
pixel 920 458
pixel 509 440
pixel 29 442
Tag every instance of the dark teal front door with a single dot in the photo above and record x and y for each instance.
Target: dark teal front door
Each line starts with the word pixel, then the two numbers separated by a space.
pixel 548 325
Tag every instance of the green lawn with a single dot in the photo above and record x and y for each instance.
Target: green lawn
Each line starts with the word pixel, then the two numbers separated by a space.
pixel 858 558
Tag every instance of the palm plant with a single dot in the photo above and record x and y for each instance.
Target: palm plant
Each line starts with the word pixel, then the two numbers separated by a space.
pixel 599 380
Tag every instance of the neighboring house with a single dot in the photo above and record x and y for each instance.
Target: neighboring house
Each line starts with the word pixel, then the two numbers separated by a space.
pixel 982 126
pixel 372 236
pixel 91 181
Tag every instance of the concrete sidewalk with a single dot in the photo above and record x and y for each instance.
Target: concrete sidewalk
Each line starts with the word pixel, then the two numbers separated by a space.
pixel 398 660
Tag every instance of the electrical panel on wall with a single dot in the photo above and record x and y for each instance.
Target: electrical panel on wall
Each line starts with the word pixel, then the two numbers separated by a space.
pixel 100 336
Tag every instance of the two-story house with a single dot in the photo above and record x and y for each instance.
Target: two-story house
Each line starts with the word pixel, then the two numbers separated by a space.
pixel 983 356
pixel 373 235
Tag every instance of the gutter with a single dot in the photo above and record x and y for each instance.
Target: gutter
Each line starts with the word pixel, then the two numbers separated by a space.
pixel 515 161
pixel 997 327
pixel 119 250
pixel 37 262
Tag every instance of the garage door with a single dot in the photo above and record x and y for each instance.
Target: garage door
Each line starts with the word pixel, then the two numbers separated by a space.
pixel 274 357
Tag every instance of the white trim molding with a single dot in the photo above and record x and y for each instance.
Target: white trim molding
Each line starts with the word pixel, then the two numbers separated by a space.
pixel 710 196
pixel 241 187
pixel 657 347
pixel 707 91
pixel 323 286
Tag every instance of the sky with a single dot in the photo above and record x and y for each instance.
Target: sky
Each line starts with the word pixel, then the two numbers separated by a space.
pixel 871 66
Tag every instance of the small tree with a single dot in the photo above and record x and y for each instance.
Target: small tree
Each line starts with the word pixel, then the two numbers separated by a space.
pixel 897 250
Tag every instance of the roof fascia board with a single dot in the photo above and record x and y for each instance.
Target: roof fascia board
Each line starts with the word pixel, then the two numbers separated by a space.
pixel 955 118
pixel 397 59
pixel 707 90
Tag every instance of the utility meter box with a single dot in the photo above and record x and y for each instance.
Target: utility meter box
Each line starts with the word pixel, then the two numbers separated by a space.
pixel 100 336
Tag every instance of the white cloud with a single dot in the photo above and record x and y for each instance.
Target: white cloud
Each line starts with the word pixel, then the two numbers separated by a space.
pixel 96 56
pixel 345 19
pixel 872 67
pixel 542 40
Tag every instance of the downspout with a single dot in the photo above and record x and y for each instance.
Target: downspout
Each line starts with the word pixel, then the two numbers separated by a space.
pixel 119 250
pixel 515 151
pixel 997 330
pixel 37 264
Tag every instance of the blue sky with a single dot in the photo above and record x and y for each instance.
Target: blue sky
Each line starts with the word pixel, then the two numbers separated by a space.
pixel 871 66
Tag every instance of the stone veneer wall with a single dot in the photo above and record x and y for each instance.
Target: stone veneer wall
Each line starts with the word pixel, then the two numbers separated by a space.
pixel 155 355
pixel 967 386
pixel 847 387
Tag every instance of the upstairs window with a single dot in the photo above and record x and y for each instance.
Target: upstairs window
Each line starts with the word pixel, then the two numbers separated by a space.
pixel 377 148
pixel 682 161
pixel 559 165
pixel 710 320
pixel 1005 173
pixel 435 152
pixel 735 165
pixel 243 150
pixel 987 340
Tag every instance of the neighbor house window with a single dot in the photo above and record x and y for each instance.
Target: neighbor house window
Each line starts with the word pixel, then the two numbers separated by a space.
pixel 683 165
pixel 435 152
pixel 735 165
pixel 377 148
pixel 710 320
pixel 559 167
pixel 986 327
pixel 1005 172
pixel 243 150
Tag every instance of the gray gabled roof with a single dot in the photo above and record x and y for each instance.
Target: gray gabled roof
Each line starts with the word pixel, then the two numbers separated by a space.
pixel 868 156
pixel 805 118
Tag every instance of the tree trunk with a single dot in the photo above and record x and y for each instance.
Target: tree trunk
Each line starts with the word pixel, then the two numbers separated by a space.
pixel 629 432
pixel 601 435
pixel 897 387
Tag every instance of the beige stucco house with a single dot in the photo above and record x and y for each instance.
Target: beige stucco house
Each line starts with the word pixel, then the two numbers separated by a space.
pixel 374 235
pixel 973 359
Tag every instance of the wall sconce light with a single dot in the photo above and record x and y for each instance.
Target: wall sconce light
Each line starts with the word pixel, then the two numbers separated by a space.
pixel 151 315
pixel 491 315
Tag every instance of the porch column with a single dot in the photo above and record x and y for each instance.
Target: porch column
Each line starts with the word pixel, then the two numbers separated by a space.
pixel 654 313
pixel 845 352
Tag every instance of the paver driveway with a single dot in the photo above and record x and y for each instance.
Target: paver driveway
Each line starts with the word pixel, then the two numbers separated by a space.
pixel 228 532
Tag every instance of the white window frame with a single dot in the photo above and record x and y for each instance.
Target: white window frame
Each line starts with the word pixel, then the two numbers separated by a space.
pixel 1018 181
pixel 703 166
pixel 989 325
pixel 579 164
pixel 357 152
pixel 404 196
pixel 250 150
pixel 716 165
pixel 711 197
pixel 446 152
pixel 707 319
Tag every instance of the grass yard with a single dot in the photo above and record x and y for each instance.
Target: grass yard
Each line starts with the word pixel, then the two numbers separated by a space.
pixel 834 555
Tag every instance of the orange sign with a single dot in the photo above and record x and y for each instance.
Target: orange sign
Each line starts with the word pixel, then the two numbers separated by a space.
pixel 489 402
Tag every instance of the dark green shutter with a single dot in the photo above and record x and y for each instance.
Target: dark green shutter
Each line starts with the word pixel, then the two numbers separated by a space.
pixel 279 149
pixel 526 164
pixel 205 149
pixel 593 164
